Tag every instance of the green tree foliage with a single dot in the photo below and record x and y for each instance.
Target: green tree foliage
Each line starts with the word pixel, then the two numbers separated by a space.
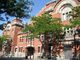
pixel 76 16
pixel 46 25
pixel 17 8
pixel 2 39
pixel 14 8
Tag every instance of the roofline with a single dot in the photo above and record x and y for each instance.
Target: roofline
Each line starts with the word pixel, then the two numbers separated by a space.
pixel 51 2
pixel 22 33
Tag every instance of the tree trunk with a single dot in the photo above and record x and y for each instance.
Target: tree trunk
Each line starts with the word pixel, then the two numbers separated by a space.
pixel 0 45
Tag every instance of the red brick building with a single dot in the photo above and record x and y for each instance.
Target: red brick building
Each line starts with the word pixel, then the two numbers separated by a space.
pixel 11 31
pixel 58 9
pixel 61 9
pixel 23 42
pixel 20 42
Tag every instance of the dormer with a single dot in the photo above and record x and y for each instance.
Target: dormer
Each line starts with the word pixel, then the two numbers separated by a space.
pixel 8 26
pixel 17 22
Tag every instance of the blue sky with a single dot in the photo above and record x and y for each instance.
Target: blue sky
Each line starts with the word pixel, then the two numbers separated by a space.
pixel 38 5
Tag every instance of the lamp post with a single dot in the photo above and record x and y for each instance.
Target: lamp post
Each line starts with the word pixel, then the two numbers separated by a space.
pixel 75 51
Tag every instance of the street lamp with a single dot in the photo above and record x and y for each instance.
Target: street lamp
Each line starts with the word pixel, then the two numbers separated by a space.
pixel 75 51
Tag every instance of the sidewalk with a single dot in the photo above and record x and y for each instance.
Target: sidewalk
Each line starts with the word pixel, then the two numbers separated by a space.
pixel 57 58
pixel 1 53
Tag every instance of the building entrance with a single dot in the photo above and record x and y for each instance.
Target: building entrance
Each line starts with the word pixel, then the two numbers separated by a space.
pixel 30 50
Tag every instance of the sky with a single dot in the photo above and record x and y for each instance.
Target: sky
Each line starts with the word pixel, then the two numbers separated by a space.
pixel 38 5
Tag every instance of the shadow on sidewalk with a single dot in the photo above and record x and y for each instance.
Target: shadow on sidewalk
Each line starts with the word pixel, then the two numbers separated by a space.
pixel 12 58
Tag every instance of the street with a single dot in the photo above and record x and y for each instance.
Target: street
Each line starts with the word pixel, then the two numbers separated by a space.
pixel 13 59
pixel 24 59
pixel 67 56
pixel 19 59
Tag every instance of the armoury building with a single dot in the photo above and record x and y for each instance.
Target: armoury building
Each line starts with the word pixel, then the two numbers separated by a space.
pixel 58 9
pixel 61 9
pixel 20 42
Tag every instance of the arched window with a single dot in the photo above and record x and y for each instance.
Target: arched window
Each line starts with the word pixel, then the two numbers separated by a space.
pixel 65 10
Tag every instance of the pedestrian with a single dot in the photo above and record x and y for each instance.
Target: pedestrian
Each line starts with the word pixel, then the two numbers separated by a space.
pixel 26 57
pixel 26 54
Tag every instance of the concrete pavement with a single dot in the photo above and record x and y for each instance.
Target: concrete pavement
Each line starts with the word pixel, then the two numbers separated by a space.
pixel 12 58
pixel 36 57
pixel 1 53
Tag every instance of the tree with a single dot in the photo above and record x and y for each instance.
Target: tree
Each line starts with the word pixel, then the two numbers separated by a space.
pixel 2 39
pixel 75 16
pixel 75 23
pixel 49 27
pixel 16 8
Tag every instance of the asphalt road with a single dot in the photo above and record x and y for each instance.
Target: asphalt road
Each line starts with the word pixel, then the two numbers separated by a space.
pixel 13 59
pixel 67 53
pixel 18 59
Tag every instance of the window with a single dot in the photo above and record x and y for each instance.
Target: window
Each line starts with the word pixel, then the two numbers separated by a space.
pixel 15 49
pixel 67 31
pixel 21 39
pixel 26 39
pixel 70 12
pixel 38 49
pixel 8 28
pixel 19 49
pixel 63 14
pixel 67 28
pixel 67 13
pixel 64 29
pixel 71 31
